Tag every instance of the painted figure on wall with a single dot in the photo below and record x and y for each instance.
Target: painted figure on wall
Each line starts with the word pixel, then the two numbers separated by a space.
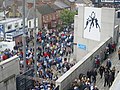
pixel 92 21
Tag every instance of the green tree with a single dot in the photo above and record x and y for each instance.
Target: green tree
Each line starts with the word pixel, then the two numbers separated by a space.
pixel 67 16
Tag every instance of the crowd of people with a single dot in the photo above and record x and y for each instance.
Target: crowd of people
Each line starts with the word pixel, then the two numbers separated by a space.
pixel 53 47
pixel 106 71
pixel 53 55
pixel 7 53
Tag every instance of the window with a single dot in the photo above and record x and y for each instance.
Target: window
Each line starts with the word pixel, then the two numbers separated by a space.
pixel 29 23
pixel 9 26
pixel 21 23
pixel 16 25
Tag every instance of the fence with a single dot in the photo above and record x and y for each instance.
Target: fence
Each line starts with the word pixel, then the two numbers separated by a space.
pixel 23 82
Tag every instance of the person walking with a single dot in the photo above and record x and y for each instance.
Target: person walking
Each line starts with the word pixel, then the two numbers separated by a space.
pixel 106 77
pixel 113 73
pixel 108 64
pixel 101 70
pixel 119 53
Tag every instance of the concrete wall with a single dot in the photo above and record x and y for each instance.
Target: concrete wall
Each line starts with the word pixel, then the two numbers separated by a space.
pixel 107 22
pixel 107 30
pixel 116 83
pixel 86 63
pixel 8 71
pixel 116 34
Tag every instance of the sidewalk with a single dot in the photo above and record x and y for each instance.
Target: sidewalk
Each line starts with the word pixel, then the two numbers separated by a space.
pixel 115 62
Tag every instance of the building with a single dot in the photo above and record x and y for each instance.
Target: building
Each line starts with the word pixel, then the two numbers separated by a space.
pixel 12 29
pixel 46 16
pixel 47 12
pixel 107 3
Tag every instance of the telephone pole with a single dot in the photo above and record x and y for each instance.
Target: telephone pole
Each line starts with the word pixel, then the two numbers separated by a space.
pixel 35 36
pixel 24 37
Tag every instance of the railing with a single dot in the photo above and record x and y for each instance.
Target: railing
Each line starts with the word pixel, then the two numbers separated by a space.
pixel 82 66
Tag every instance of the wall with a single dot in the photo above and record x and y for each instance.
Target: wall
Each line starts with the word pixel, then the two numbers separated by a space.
pixel 8 71
pixel 86 63
pixel 107 22
pixel 40 20
pixel 116 83
pixel 116 34
pixel 107 30
pixel 13 23
pixel 32 23
pixel 78 36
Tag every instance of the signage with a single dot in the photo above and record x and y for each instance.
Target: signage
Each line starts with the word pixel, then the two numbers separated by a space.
pixel 81 46
pixel 6 45
pixel 92 23
pixel 111 1
pixel 1 31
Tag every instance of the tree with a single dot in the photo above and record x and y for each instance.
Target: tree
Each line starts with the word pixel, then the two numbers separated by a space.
pixel 67 16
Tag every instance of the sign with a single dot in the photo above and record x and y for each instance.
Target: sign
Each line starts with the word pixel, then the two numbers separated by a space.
pixel 1 31
pixel 6 45
pixel 9 37
pixel 92 23
pixel 81 46
pixel 111 1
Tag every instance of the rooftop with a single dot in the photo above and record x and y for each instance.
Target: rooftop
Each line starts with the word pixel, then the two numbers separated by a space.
pixel 45 9
pixel 61 4
pixel 9 20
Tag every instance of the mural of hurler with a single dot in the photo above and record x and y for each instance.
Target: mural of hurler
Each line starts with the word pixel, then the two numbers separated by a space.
pixel 92 23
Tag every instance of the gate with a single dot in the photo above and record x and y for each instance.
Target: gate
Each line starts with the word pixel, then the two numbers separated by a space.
pixel 23 81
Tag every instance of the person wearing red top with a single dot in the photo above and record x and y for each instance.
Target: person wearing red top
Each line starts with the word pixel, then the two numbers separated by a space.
pixel 4 57
pixel 27 61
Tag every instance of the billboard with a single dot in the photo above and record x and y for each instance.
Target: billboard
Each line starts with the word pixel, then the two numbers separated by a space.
pixel 92 23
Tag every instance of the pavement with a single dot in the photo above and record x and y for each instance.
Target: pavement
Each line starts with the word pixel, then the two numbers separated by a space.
pixel 115 62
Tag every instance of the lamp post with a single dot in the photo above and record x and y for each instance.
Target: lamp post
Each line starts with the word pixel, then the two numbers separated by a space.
pixel 35 36
pixel 24 37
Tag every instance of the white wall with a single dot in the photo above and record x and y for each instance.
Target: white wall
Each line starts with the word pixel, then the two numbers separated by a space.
pixel 31 27
pixel 8 71
pixel 107 30
pixel 13 22
pixel 32 23
pixel 107 22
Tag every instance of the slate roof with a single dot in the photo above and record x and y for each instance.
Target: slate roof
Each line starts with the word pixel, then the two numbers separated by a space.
pixel 83 1
pixel 55 7
pixel 10 2
pixel 61 4
pixel 45 9
pixel 31 1
pixel 29 13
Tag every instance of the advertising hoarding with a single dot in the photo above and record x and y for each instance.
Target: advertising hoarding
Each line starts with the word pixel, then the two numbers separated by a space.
pixel 92 23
